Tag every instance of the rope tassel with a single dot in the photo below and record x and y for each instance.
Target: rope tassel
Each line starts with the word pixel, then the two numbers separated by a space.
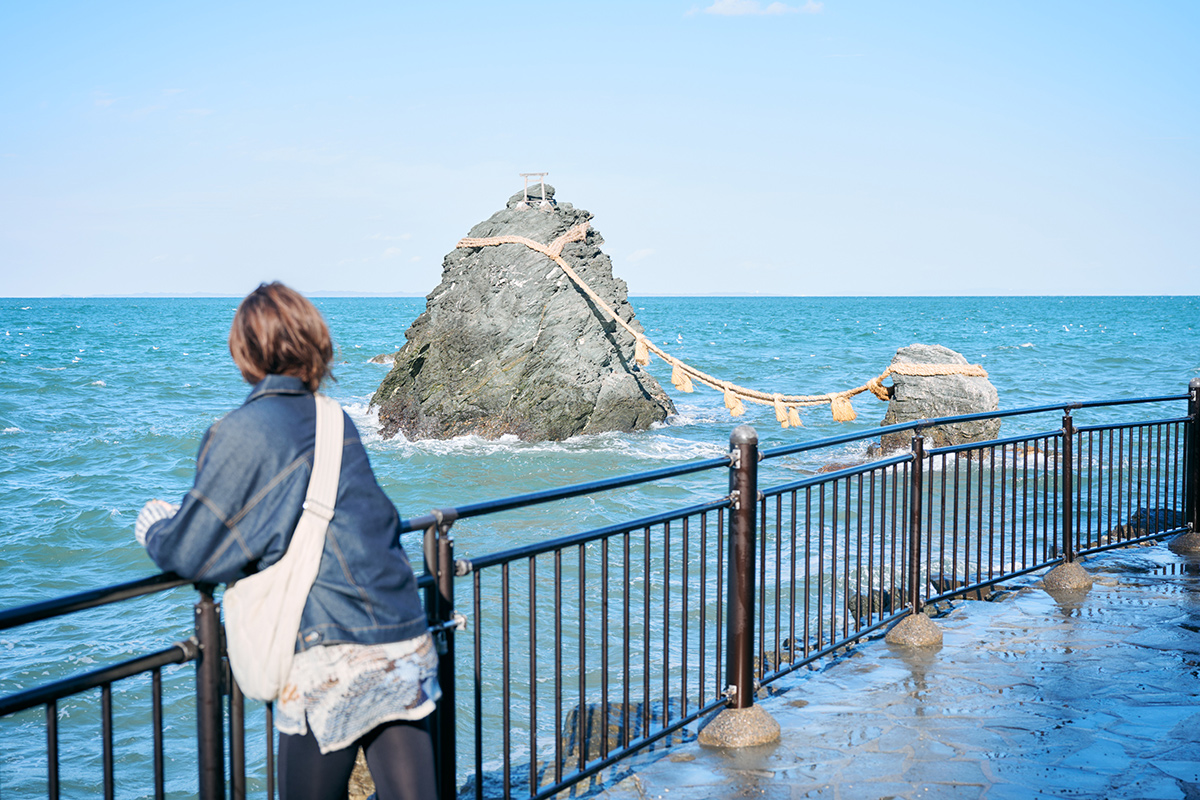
pixel 842 410
pixel 680 378
pixel 794 417
pixel 733 403
pixel 780 413
pixel 641 352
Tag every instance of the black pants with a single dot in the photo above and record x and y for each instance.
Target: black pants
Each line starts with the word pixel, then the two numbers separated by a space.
pixel 399 755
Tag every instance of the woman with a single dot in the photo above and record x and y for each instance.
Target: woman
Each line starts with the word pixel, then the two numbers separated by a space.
pixel 365 667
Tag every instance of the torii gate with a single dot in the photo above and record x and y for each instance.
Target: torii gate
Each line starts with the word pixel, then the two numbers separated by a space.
pixel 545 204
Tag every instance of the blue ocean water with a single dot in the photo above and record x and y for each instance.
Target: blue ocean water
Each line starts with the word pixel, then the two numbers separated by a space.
pixel 103 402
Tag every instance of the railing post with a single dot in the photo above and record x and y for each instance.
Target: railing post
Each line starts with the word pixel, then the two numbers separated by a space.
pixel 741 723
pixel 1191 457
pixel 1189 541
pixel 439 605
pixel 210 724
pixel 1068 488
pixel 743 493
pixel 916 629
pixel 916 483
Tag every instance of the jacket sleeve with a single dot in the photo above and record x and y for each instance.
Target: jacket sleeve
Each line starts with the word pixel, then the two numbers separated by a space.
pixel 202 540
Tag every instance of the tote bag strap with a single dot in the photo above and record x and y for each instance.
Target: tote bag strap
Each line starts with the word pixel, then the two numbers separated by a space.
pixel 321 496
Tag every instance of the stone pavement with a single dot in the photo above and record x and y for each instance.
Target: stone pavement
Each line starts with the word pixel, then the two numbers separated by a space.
pixel 1028 696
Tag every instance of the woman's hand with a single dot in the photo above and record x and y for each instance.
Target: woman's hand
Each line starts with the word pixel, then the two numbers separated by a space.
pixel 151 513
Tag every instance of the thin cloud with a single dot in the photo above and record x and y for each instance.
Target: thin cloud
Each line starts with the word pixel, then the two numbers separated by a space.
pixel 392 252
pixel 638 255
pixel 746 8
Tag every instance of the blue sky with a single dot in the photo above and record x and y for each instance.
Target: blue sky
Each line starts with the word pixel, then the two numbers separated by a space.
pixel 890 148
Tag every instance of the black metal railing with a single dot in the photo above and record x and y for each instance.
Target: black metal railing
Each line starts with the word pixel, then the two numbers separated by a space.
pixel 585 648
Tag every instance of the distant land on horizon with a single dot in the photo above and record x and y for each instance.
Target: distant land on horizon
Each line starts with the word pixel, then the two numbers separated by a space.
pixel 335 293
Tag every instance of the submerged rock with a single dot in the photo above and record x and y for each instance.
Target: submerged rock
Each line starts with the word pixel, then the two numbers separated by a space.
pixel 508 345
pixel 917 397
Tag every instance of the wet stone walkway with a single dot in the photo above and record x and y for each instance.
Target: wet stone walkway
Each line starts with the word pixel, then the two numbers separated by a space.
pixel 1027 697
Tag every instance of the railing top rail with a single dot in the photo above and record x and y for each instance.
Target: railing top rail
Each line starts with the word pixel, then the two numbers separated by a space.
pixel 550 495
pixel 991 443
pixel 1139 424
pixel 23 615
pixel 492 559
pixel 837 475
pixel 845 438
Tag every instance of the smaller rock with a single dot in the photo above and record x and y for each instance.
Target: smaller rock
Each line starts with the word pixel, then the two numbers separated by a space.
pixel 917 397
pixel 915 630
pixel 383 358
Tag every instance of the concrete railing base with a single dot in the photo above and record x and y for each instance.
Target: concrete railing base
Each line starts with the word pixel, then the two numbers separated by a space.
pixel 915 630
pixel 1186 543
pixel 1068 576
pixel 740 727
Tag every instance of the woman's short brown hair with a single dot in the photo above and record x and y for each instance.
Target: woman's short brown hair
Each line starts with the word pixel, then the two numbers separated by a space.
pixel 277 331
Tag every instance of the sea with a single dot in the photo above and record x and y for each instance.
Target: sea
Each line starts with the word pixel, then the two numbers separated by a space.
pixel 103 403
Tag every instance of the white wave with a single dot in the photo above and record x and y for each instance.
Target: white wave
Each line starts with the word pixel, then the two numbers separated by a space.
pixel 99 383
pixel 12 430
pixel 649 445
pixel 50 369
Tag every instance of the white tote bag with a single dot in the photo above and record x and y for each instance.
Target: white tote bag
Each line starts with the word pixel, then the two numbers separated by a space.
pixel 262 611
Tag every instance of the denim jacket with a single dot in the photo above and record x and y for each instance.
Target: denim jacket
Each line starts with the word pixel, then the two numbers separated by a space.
pixel 251 478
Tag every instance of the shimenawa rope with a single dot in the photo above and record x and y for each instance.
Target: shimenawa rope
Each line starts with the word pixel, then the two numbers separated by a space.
pixel 683 375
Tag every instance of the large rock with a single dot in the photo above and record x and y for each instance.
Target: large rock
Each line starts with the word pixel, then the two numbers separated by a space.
pixel 925 397
pixel 508 345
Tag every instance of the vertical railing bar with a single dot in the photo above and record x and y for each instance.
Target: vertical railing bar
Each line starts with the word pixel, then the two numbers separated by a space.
pixel 269 714
pixel 559 755
pixel 821 566
pixel 761 631
pixel 52 788
pixel 792 603
pixel 1083 535
pixel 683 599
pixel 719 687
pixel 1003 500
pixel 844 606
pixel 156 724
pixel 703 649
pixel 581 718
pixel 858 562
pixel 1025 505
pixel 1122 482
pixel 625 650
pixel 505 676
pixel 954 525
pixel 237 740
pixel 992 514
pixel 666 626
pixel 1109 515
pixel 106 736
pixel 477 678
pixel 833 562
pixel 871 551
pixel 533 673
pixel 778 576
pixel 604 612
pixel 645 721
pixel 942 526
pixel 1141 451
pixel 967 524
pixel 807 567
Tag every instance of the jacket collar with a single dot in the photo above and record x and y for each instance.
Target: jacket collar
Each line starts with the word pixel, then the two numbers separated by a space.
pixel 277 384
